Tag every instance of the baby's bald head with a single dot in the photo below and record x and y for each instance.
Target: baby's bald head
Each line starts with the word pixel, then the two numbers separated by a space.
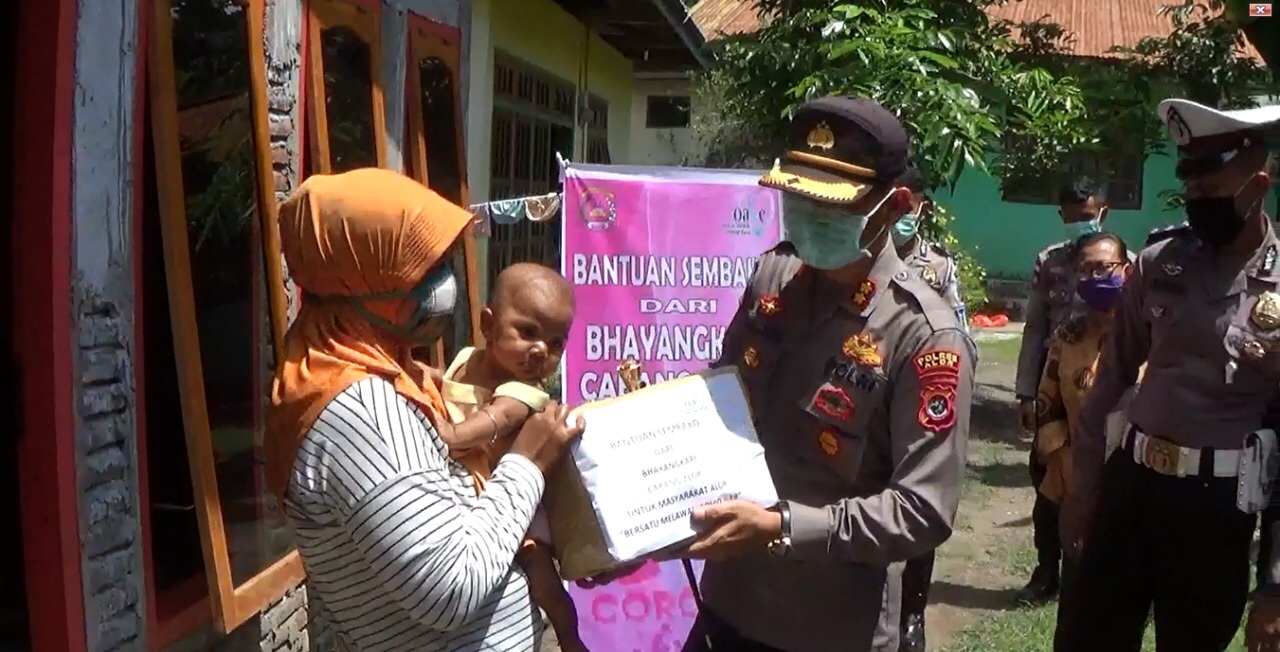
pixel 527 320
pixel 539 282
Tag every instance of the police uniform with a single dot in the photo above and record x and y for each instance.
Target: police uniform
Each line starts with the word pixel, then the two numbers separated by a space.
pixel 860 397
pixel 1167 531
pixel 937 268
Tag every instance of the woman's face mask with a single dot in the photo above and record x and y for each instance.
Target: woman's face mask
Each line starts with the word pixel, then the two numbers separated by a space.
pixel 825 236
pixel 1099 285
pixel 433 301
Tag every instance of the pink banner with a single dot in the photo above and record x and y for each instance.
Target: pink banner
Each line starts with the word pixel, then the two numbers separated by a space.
pixel 658 258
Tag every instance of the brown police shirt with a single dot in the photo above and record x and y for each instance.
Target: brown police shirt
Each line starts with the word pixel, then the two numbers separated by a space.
pixel 1052 300
pixel 1208 327
pixel 862 405
pixel 938 270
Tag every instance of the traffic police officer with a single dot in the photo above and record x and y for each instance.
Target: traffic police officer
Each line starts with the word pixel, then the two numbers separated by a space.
pixel 937 268
pixel 860 381
pixel 1082 207
pixel 1160 522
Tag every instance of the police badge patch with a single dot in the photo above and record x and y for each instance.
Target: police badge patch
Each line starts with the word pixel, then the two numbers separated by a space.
pixel 938 374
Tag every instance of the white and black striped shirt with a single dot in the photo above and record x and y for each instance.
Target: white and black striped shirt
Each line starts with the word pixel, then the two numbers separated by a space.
pixel 398 548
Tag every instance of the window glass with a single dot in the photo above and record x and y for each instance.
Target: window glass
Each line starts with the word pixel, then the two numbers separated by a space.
pixel 215 122
pixel 348 98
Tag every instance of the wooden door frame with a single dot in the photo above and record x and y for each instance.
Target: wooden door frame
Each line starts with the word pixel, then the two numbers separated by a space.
pixel 41 264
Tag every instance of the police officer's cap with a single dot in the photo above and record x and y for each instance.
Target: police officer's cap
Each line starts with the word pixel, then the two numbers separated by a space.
pixel 1208 138
pixel 838 148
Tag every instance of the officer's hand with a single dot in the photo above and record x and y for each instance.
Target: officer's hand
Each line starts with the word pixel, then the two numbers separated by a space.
pixel 1262 633
pixel 1073 524
pixel 731 528
pixel 1027 415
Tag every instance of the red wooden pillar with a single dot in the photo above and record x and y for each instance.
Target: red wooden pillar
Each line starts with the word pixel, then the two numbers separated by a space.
pixel 42 260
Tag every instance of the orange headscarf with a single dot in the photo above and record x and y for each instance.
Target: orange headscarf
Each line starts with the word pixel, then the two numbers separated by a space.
pixel 359 233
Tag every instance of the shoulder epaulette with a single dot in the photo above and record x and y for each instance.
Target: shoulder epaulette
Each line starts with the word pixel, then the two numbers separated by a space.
pixel 1166 232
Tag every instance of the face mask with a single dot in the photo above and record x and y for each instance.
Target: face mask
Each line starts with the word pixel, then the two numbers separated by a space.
pixel 1100 294
pixel 434 299
pixel 1077 230
pixel 1214 219
pixel 905 229
pixel 825 237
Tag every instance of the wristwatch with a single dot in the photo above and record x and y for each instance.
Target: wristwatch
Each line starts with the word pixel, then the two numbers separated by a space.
pixel 781 546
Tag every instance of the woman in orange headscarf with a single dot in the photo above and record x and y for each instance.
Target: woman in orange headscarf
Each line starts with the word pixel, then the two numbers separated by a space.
pixel 397 545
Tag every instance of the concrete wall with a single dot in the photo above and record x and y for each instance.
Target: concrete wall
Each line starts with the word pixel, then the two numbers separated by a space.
pixel 661 146
pixel 102 301
pixel 542 34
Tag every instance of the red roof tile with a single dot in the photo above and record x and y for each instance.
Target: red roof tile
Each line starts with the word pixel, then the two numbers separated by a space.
pixel 717 18
pixel 1094 26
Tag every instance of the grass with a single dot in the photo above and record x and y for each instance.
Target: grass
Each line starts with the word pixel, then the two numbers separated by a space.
pixel 999 351
pixel 1026 629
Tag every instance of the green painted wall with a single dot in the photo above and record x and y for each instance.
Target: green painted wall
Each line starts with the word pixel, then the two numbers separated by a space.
pixel 1005 237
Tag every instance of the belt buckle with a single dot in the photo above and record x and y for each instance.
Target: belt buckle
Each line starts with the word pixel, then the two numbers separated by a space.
pixel 1162 456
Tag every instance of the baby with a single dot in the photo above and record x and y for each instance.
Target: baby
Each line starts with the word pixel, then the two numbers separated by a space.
pixel 486 392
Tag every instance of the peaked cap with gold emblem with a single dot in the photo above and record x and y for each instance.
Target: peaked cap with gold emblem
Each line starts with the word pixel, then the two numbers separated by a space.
pixel 838 148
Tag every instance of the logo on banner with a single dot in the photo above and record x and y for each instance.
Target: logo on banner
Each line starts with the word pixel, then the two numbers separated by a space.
pixel 598 209
pixel 747 219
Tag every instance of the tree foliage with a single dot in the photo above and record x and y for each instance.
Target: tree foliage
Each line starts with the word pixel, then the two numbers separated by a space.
pixel 957 79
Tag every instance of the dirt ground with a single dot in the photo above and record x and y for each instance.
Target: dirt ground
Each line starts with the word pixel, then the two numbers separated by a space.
pixel 980 568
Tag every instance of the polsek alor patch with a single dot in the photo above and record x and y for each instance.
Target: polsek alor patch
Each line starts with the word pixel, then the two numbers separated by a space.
pixel 938 374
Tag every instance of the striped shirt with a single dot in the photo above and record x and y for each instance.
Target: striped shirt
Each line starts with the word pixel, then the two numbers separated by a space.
pixel 398 548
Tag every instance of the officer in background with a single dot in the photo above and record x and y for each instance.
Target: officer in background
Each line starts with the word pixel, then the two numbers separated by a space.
pixel 860 381
pixel 1165 521
pixel 1083 208
pixel 930 260
pixel 937 268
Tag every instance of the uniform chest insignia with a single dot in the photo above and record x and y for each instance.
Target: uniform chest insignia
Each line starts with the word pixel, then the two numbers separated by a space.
pixel 866 292
pixel 938 375
pixel 769 305
pixel 834 402
pixel 751 357
pixel 1254 349
pixel 829 443
pixel 862 349
pixel 1268 261
pixel 929 275
pixel 1171 269
pixel 1266 312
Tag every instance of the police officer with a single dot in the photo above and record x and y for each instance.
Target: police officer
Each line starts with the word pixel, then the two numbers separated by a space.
pixel 1159 523
pixel 1082 207
pixel 930 260
pixel 860 380
pixel 937 268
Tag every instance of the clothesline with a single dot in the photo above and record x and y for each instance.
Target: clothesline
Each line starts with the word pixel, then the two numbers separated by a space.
pixel 535 208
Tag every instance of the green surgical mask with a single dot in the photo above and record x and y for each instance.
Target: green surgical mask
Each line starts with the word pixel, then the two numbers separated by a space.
pixel 825 236
pixel 905 229
pixel 1077 230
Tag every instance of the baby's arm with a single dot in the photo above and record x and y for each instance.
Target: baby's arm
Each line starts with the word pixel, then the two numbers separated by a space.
pixel 499 418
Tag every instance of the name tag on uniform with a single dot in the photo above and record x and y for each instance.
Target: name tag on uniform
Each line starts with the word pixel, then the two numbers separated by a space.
pixel 856 375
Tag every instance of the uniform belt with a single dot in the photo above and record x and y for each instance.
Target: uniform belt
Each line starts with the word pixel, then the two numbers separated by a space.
pixel 1167 458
